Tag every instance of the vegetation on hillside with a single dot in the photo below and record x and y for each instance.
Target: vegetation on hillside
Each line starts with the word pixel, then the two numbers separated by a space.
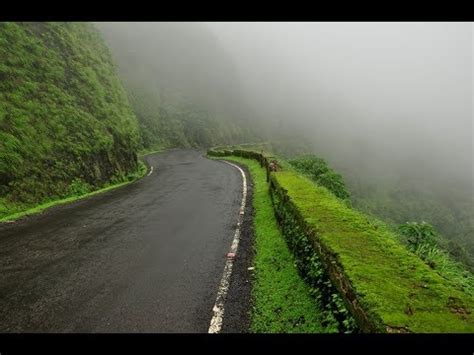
pixel 178 101
pixel 167 118
pixel 422 239
pixel 391 281
pixel 446 206
pixel 65 123
pixel 68 127
pixel 282 301
pixel 399 198
pixel 403 280
pixel 319 171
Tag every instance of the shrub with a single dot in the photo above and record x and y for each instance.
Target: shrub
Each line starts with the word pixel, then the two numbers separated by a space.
pixel 318 171
pixel 63 114
pixel 422 240
pixel 418 234
pixel 79 187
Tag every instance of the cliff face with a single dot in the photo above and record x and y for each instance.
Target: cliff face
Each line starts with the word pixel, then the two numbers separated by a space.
pixel 65 120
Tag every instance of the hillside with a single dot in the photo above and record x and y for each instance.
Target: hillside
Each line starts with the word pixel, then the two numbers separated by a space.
pixel 398 196
pixel 181 84
pixel 370 246
pixel 65 123
pixel 354 263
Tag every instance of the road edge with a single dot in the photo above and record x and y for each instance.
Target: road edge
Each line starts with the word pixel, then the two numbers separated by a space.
pixel 18 216
pixel 219 306
pixel 234 291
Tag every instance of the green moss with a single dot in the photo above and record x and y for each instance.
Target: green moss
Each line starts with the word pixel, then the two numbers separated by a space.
pixel 282 302
pixel 319 171
pixel 390 281
pixel 66 126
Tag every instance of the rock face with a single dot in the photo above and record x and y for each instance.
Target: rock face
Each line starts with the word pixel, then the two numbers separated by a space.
pixel 65 120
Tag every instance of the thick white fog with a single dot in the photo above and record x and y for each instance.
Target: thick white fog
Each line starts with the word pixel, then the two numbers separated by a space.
pixel 390 94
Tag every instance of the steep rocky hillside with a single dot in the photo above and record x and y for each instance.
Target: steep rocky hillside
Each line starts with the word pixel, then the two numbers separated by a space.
pixel 65 122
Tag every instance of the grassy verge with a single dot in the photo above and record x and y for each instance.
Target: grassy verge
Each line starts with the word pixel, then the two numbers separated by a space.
pixel 142 169
pixel 155 150
pixel 393 284
pixel 281 299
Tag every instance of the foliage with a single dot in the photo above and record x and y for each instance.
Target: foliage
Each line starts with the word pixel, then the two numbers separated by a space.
pixel 418 234
pixel 392 283
pixel 396 197
pixel 19 211
pixel 311 267
pixel 400 291
pixel 446 205
pixel 282 301
pixel 169 86
pixel 65 123
pixel 422 240
pixel 318 171
pixel 79 187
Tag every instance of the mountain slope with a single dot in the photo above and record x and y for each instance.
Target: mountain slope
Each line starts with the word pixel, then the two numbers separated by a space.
pixel 65 122
pixel 181 84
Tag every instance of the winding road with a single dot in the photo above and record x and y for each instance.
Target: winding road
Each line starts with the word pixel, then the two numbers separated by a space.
pixel 146 257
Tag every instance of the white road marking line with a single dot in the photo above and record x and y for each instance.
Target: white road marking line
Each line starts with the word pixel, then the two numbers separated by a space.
pixel 218 309
pixel 151 170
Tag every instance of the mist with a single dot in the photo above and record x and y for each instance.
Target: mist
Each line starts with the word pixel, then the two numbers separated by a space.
pixel 388 105
pixel 372 95
pixel 211 177
pixel 183 56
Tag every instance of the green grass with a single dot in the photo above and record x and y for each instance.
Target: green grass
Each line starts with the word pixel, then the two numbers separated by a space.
pixel 281 299
pixel 391 282
pixel 66 125
pixel 443 263
pixel 142 169
pixel 153 150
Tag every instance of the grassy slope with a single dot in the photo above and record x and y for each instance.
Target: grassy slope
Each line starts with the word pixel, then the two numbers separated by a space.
pixel 282 302
pixel 66 127
pixel 142 170
pixel 44 206
pixel 392 282
pixel 447 205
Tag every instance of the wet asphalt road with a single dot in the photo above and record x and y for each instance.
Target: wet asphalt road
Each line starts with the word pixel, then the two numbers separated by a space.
pixel 146 257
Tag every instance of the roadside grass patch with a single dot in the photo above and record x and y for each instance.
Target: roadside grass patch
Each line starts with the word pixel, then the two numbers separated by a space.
pixel 393 284
pixel 282 302
pixel 12 212
pixel 386 287
pixel 156 149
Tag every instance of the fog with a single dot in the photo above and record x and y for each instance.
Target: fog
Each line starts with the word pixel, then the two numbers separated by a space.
pixel 177 55
pixel 374 99
pixel 388 105
pixel 376 95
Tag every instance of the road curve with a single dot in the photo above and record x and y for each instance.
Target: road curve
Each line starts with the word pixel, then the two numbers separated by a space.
pixel 146 257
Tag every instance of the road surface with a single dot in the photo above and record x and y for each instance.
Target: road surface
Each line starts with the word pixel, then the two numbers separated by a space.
pixel 147 257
